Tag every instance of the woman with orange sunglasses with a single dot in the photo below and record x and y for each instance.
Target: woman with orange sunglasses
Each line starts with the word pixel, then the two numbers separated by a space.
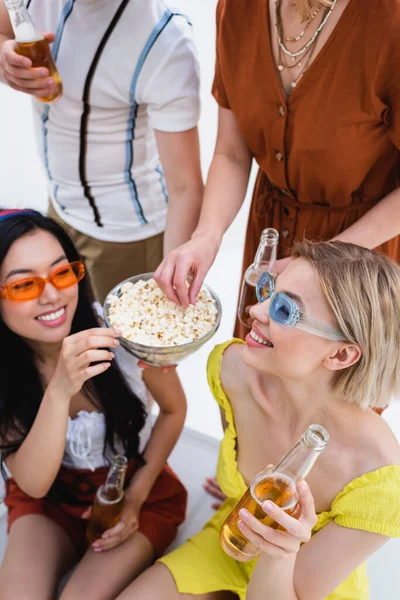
pixel 65 409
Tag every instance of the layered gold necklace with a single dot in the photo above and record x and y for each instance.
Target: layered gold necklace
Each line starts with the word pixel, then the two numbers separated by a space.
pixel 302 57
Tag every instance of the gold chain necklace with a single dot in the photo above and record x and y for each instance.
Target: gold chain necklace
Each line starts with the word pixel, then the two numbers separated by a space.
pixel 279 30
pixel 304 58
pixel 292 40
pixel 301 63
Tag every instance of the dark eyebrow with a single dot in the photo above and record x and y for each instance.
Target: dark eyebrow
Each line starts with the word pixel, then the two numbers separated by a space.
pixel 296 298
pixel 27 271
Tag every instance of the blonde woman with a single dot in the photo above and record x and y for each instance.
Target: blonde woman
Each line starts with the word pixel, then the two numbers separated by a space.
pixel 321 119
pixel 330 367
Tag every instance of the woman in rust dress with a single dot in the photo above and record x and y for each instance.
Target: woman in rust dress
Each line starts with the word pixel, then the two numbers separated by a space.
pixel 322 123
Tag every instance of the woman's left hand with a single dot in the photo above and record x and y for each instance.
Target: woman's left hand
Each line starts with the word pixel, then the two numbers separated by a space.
pixel 126 527
pixel 280 544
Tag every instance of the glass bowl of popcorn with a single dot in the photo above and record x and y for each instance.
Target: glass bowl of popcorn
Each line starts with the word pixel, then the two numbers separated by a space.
pixel 155 329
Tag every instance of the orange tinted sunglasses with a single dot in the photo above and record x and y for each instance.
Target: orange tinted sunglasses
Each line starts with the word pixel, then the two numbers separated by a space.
pixel 31 288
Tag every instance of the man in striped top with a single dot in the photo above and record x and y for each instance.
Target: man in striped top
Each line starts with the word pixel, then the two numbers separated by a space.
pixel 123 133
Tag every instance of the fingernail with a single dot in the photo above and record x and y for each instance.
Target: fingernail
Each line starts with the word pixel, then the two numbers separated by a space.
pixel 50 82
pixel 97 549
pixel 268 505
pixel 117 332
pixel 43 72
pixel 116 343
pixel 303 485
pixel 243 513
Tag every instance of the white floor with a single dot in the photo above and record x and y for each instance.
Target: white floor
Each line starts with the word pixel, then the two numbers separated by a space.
pixel 22 184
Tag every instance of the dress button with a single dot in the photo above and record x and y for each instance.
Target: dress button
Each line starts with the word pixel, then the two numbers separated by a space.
pixel 282 110
pixel 279 156
pixel 285 233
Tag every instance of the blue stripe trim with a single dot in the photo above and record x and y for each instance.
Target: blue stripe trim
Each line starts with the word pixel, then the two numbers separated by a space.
pixel 45 118
pixel 130 133
pixel 146 50
pixel 66 11
pixel 45 115
pixel 188 21
pixel 160 171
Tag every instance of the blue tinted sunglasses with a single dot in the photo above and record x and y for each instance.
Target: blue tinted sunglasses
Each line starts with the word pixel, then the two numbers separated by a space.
pixel 285 311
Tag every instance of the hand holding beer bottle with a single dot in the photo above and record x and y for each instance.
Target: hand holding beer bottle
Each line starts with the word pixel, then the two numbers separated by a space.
pixel 272 492
pixel 108 502
pixel 26 63
pixel 114 515
pixel 289 533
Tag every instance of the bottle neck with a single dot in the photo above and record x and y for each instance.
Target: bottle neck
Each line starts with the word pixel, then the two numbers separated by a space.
pixel 266 253
pixel 22 24
pixel 299 461
pixel 115 478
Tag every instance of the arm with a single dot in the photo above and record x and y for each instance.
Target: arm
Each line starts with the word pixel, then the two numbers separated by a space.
pixel 6 31
pixel 167 391
pixel 378 225
pixel 312 572
pixel 224 194
pixel 180 159
pixel 35 464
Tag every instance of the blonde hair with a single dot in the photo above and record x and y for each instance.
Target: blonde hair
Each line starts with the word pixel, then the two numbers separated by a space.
pixel 304 7
pixel 362 288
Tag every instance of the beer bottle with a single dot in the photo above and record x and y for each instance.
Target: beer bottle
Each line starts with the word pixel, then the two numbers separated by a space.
pixel 263 261
pixel 278 484
pixel 31 43
pixel 109 501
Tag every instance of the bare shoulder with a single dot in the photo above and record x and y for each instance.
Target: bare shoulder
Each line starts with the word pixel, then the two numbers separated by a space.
pixel 233 369
pixel 380 443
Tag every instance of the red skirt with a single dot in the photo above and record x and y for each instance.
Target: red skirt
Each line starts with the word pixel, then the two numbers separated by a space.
pixel 74 490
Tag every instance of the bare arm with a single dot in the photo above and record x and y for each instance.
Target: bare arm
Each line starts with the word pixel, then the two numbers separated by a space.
pixel 321 565
pixel 227 179
pixel 310 572
pixel 167 391
pixel 35 464
pixel 6 32
pixel 180 159
pixel 224 194
pixel 378 225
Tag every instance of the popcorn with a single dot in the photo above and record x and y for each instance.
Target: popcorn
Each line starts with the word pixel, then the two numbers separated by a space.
pixel 145 316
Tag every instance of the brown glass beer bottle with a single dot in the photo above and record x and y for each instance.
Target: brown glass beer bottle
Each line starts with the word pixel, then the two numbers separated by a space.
pixel 263 261
pixel 31 43
pixel 109 501
pixel 278 484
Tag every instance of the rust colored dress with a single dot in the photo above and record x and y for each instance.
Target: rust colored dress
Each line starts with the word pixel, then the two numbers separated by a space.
pixel 330 152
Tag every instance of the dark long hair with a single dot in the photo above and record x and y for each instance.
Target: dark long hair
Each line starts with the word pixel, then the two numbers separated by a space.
pixel 21 389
